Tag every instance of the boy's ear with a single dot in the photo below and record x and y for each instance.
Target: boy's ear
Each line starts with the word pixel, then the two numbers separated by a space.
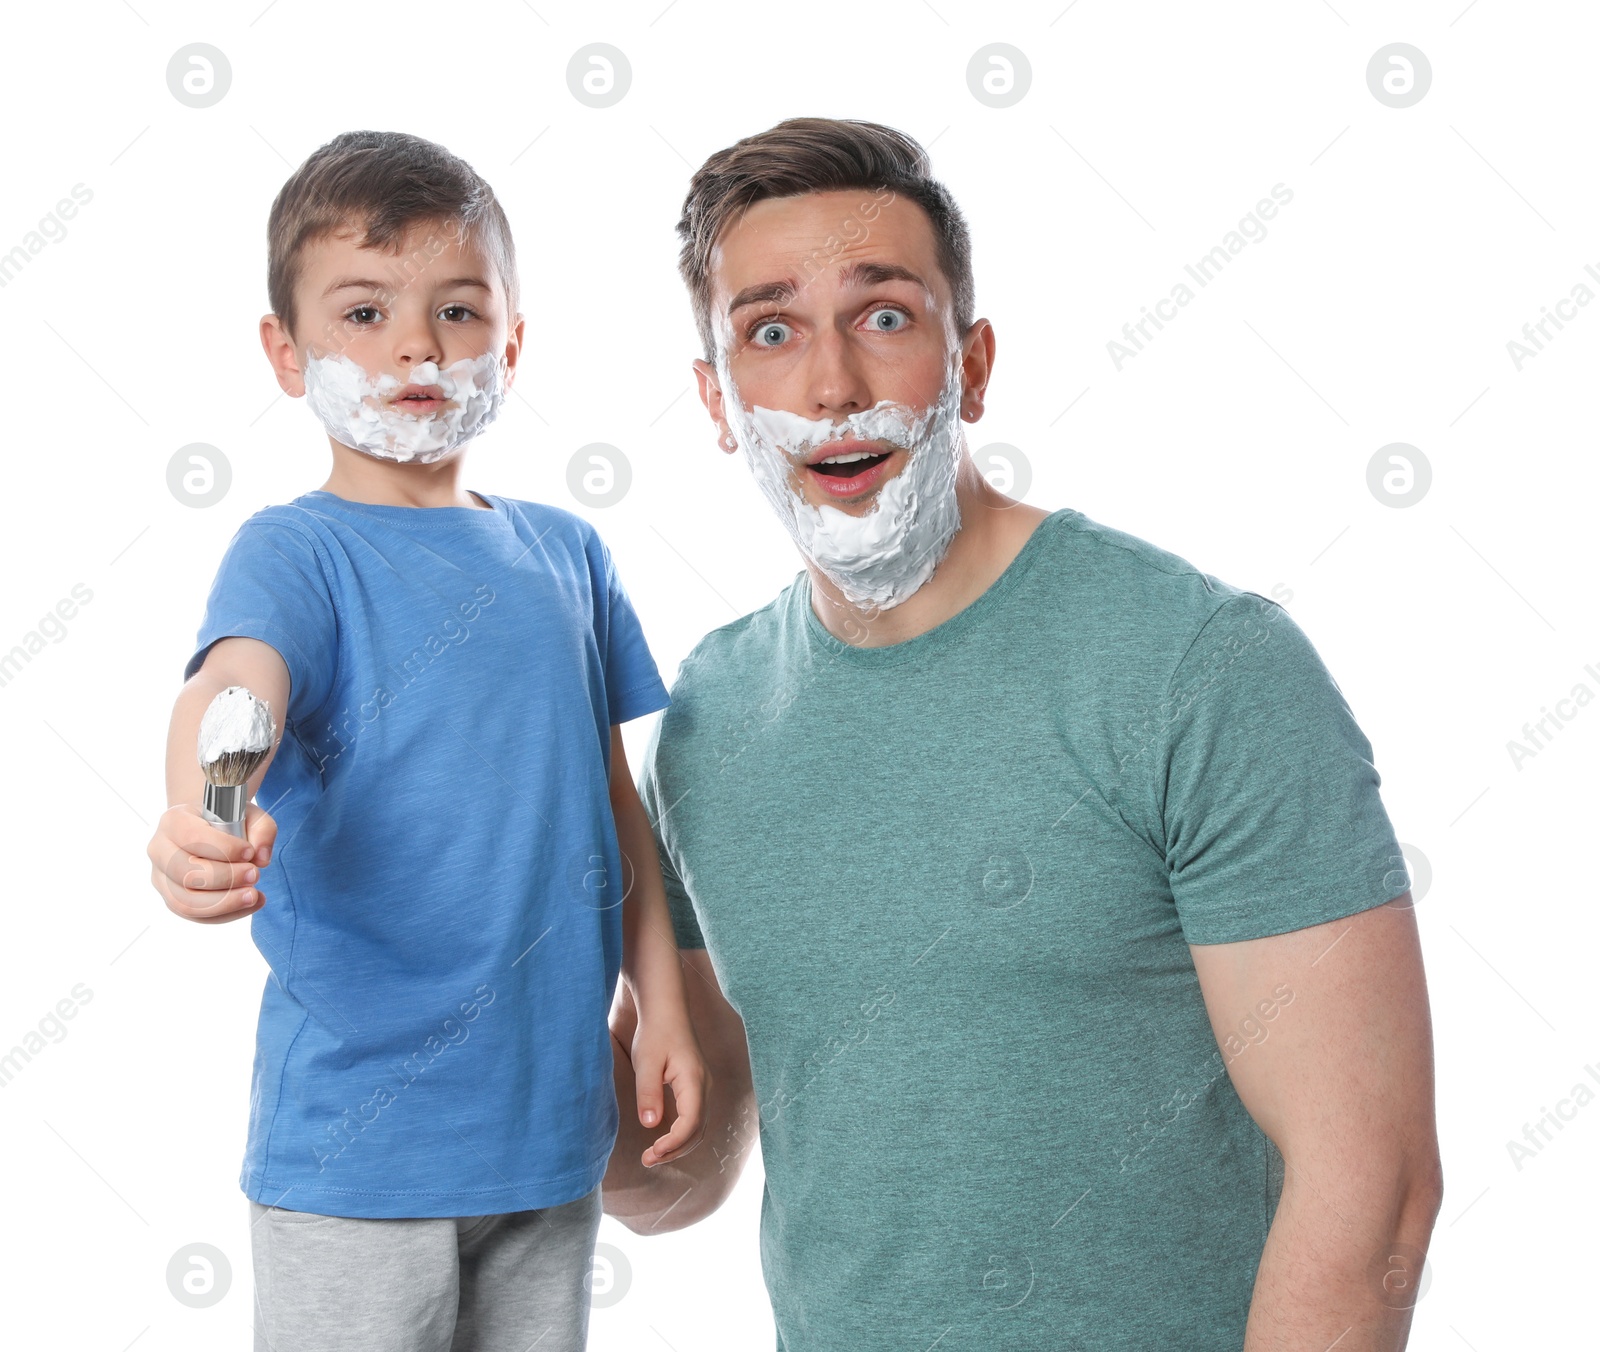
pixel 514 347
pixel 279 347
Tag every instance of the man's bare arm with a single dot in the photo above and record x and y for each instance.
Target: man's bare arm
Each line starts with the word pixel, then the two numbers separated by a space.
pixel 672 1195
pixel 1342 1082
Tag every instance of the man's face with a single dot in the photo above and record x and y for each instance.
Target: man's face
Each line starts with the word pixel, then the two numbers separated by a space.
pixel 824 306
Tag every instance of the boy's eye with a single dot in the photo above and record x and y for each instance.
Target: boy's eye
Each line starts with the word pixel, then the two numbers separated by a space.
pixel 371 314
pixel 888 319
pixel 769 333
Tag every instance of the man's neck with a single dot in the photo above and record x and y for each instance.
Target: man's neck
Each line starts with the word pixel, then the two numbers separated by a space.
pixel 993 530
pixel 359 477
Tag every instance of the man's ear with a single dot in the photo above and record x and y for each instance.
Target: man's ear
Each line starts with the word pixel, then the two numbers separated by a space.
pixel 711 396
pixel 279 347
pixel 977 364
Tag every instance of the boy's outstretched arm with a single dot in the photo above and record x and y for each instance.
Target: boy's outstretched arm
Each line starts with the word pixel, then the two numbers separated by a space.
pixel 664 1050
pixel 201 872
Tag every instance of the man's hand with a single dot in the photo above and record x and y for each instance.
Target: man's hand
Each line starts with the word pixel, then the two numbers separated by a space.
pixel 665 1053
pixel 203 873
pixel 657 1199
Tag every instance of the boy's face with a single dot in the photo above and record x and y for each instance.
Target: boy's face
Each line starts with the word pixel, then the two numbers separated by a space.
pixel 402 317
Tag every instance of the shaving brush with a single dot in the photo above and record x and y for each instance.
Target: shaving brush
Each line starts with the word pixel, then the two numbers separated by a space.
pixel 235 737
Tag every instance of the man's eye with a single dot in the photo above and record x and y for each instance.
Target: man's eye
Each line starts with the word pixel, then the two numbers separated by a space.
pixel 888 320
pixel 771 333
pixel 363 314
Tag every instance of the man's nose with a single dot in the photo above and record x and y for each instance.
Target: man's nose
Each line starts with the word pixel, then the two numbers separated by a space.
pixel 835 378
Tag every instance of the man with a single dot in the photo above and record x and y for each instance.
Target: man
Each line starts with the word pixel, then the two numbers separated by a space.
pixel 1045 876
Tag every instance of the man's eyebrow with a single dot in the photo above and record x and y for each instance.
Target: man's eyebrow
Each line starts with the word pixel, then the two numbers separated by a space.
pixel 367 284
pixel 856 275
pixel 763 291
pixel 870 274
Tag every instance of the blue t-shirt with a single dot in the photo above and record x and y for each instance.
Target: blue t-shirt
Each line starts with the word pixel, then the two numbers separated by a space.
pixel 443 914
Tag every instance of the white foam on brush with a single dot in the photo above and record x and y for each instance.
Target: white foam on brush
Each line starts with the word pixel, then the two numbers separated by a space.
pixel 234 721
pixel 354 405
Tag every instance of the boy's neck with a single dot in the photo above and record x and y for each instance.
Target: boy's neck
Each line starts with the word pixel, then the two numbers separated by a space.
pixel 359 477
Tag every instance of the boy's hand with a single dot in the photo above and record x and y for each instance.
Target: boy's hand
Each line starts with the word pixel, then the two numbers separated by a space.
pixel 203 873
pixel 665 1052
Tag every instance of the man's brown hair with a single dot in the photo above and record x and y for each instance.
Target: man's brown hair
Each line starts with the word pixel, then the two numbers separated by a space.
pixel 817 154
pixel 382 184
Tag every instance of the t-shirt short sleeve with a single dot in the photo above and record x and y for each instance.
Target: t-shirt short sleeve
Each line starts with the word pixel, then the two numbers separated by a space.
pixel 1271 810
pixel 271 586
pixel 633 684
pixel 685 924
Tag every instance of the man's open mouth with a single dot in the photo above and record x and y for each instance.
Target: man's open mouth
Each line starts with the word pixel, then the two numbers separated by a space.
pixel 850 465
pixel 847 470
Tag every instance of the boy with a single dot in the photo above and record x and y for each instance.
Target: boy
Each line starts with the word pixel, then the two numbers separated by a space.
pixel 432 1105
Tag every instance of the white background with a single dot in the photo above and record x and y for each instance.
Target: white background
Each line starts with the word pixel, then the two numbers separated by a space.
pixel 1377 310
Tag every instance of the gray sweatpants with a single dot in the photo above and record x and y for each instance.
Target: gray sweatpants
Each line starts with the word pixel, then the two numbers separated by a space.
pixel 514 1282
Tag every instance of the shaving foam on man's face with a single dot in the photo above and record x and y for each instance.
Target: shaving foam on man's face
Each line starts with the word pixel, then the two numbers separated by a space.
pixel 885 554
pixel 420 419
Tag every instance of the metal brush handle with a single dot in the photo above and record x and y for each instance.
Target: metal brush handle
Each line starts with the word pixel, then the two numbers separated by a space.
pixel 223 806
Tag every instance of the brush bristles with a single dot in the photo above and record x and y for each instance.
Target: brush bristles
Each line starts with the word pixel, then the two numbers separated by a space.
pixel 234 767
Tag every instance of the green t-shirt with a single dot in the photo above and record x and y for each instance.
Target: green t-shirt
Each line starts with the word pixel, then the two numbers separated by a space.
pixel 950 886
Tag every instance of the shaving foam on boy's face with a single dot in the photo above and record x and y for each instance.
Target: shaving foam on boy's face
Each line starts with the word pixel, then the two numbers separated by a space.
pixel 882 556
pixel 420 419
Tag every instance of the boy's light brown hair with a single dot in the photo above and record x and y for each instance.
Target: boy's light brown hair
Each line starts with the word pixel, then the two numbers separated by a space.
pixel 819 154
pixel 379 186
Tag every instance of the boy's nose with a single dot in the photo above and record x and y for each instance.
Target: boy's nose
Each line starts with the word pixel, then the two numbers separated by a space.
pixel 412 355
